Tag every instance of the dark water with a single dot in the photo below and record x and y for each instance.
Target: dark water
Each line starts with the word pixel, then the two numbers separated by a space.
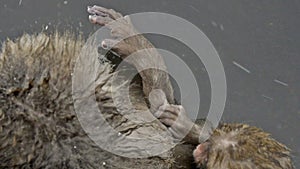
pixel 258 42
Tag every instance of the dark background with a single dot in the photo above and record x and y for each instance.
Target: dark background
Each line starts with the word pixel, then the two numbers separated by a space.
pixel 261 36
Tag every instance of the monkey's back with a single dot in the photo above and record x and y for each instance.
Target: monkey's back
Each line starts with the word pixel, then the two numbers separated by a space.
pixel 38 123
pixel 38 126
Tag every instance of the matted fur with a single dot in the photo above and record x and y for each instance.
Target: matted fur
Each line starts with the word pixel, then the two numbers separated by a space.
pixel 38 124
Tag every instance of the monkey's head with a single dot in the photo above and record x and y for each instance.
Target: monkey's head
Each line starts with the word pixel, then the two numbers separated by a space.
pixel 242 146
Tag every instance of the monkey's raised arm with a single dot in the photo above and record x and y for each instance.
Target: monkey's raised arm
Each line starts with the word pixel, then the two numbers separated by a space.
pixel 142 54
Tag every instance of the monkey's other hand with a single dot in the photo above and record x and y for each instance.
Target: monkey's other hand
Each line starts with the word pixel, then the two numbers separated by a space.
pixel 180 126
pixel 175 118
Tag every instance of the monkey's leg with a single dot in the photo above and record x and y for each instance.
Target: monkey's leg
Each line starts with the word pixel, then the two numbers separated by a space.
pixel 146 55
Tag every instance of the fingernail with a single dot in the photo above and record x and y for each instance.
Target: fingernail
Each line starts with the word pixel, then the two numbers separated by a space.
pixel 104 45
pixel 162 107
pixel 157 114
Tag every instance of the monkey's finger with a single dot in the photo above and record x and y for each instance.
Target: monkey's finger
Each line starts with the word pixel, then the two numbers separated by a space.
pixel 167 121
pixel 100 20
pixel 157 114
pixel 167 115
pixel 92 11
pixel 170 108
pixel 109 44
pixel 110 12
pixel 128 20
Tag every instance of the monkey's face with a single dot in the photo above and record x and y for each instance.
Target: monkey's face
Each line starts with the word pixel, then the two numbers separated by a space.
pixel 201 154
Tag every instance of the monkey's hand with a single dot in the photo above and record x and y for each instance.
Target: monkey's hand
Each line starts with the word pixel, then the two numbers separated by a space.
pixel 180 126
pixel 125 38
